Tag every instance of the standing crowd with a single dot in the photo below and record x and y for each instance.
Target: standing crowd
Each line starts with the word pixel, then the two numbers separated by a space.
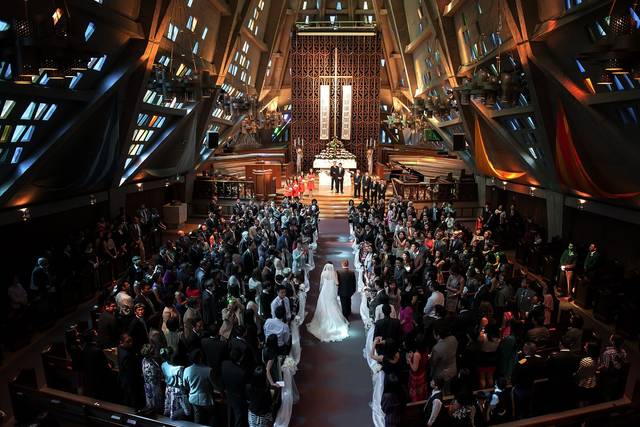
pixel 202 326
pixel 450 316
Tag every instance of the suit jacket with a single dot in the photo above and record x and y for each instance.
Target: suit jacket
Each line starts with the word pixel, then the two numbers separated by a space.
pixel 340 173
pixel 233 380
pixel 215 350
pixel 357 180
pixel 210 312
pixel 366 182
pixel 388 328
pixel 443 358
pixel 526 370
pixel 333 171
pixel 108 331
pixel 347 283
pixel 561 366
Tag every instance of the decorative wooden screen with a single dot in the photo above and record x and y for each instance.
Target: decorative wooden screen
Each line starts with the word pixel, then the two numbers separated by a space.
pixel 312 57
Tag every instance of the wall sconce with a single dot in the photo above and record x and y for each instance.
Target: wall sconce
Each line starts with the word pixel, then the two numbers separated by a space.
pixel 166 182
pixel 581 203
pixel 92 199
pixel 504 185
pixel 25 214
pixel 532 191
pixel 139 185
pixel 178 178
pixel 492 181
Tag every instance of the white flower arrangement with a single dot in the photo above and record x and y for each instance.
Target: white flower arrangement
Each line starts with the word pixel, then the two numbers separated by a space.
pixel 289 363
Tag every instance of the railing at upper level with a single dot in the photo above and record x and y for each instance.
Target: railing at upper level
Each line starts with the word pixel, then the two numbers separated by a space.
pixel 436 192
pixel 205 188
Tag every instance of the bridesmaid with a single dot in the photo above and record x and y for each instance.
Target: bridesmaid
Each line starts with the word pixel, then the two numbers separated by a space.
pixel 311 182
pixel 296 188
pixel 302 182
pixel 287 188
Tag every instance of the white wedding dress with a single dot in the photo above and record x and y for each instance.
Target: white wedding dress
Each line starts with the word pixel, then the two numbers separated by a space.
pixel 328 323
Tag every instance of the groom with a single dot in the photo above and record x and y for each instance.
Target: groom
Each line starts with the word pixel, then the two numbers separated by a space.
pixel 346 287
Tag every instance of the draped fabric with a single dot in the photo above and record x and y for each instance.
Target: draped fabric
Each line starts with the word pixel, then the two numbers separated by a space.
pixel 484 164
pixel 377 378
pixel 289 392
pixel 377 375
pixel 571 170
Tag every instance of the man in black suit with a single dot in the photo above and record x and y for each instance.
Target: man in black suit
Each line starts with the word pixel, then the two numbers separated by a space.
pixel 529 368
pixel 346 287
pixel 366 186
pixel 382 188
pixel 340 179
pixel 215 349
pixel 561 367
pixel 108 330
pixel 234 380
pixel 374 192
pixel 388 327
pixel 333 171
pixel 357 184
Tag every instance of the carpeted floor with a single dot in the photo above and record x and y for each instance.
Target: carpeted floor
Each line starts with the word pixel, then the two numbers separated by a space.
pixel 333 379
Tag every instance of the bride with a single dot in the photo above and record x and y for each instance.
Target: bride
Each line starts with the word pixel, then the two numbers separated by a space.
pixel 328 323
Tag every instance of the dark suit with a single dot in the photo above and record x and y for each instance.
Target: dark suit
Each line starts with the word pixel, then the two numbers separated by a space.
pixel 346 289
pixel 333 171
pixel 215 350
pixel 388 328
pixel 382 188
pixel 340 180
pixel 139 331
pixel 108 331
pixel 366 187
pixel 357 185
pixel 234 380
pixel 561 365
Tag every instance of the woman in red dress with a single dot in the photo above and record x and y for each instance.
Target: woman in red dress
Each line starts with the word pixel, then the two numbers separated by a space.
pixel 287 189
pixel 311 182
pixel 302 184
pixel 417 359
pixel 296 188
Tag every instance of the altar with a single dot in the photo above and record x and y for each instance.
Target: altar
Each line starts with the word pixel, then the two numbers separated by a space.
pixel 320 164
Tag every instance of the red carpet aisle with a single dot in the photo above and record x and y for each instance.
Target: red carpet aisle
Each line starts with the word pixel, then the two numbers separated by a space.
pixel 333 380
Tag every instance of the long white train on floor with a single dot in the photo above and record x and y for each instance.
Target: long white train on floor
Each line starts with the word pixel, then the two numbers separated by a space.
pixel 289 393
pixel 377 375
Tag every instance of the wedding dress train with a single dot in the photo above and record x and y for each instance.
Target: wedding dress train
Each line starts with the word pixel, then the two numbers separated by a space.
pixel 328 323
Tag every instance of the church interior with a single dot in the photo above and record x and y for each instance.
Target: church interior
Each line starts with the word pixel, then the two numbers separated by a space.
pixel 178 177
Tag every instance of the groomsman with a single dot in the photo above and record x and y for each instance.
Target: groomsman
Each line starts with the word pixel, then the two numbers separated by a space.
pixel 374 191
pixel 340 179
pixel 382 188
pixel 366 185
pixel 357 184
pixel 333 171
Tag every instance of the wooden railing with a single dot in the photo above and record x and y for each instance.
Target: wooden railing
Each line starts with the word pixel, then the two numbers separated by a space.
pixel 223 189
pixel 436 192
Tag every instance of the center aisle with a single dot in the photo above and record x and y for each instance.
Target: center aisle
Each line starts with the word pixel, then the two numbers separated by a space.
pixel 333 379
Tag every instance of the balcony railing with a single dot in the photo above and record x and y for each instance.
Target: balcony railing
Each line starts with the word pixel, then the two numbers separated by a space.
pixel 223 189
pixel 436 192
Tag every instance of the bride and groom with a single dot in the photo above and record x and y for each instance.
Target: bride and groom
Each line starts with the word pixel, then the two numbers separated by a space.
pixel 330 320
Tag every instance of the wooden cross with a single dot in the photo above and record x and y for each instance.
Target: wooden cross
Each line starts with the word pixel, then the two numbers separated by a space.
pixel 335 78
